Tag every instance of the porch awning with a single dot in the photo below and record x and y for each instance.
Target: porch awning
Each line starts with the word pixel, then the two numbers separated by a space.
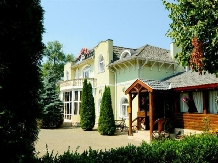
pixel 141 85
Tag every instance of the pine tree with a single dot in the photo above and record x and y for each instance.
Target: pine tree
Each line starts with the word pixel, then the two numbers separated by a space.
pixel 87 114
pixel 52 105
pixel 106 123
pixel 21 26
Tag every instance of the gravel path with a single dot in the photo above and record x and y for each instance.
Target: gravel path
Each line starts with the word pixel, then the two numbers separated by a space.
pixel 60 140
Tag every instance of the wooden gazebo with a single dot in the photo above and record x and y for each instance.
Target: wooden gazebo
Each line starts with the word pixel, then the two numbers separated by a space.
pixel 136 89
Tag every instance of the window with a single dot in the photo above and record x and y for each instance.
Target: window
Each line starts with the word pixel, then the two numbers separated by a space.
pixel 198 100
pixel 67 98
pixel 213 106
pixel 183 105
pixel 77 102
pixel 125 54
pixel 86 72
pixel 101 64
pixel 124 108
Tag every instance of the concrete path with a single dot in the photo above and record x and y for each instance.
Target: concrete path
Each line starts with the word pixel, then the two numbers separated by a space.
pixel 60 140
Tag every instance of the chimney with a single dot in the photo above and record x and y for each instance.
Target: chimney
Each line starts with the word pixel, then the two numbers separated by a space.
pixel 174 50
pixel 187 68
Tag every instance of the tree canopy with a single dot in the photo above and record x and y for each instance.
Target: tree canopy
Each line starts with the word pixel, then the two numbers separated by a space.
pixel 55 59
pixel 194 28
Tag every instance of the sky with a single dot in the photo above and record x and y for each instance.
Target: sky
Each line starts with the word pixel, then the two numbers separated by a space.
pixel 77 24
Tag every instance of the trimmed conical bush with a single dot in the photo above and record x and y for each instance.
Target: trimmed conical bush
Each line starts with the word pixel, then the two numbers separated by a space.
pixel 87 112
pixel 106 123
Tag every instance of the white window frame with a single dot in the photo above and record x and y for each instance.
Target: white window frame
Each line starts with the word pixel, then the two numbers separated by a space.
pixel 100 63
pixel 124 106
pixel 77 102
pixel 67 105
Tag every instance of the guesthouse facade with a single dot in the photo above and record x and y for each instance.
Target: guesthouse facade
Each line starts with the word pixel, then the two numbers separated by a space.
pixel 146 83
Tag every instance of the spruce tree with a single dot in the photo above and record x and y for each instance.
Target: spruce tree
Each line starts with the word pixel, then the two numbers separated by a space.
pixel 52 105
pixel 106 123
pixel 21 26
pixel 87 113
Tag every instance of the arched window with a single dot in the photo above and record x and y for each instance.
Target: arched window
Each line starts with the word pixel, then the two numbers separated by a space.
pixel 86 72
pixel 101 63
pixel 124 108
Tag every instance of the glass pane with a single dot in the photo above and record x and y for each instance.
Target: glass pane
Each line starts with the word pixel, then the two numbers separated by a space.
pixel 66 94
pixel 126 114
pixel 123 110
pixel 76 95
pixel 70 96
pixel 125 101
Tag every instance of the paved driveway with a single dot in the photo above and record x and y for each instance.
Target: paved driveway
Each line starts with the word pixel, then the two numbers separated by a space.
pixel 59 140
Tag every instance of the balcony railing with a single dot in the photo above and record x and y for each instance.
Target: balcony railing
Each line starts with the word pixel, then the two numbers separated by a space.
pixel 78 82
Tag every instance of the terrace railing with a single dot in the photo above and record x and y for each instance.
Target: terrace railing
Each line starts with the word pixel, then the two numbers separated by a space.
pixel 78 82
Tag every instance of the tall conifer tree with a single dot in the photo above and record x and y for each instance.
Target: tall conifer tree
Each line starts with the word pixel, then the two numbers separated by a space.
pixel 21 26
pixel 87 113
pixel 52 105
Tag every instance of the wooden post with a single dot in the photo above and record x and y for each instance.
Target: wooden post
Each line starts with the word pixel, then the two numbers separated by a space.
pixel 130 114
pixel 151 114
pixel 139 109
pixel 204 103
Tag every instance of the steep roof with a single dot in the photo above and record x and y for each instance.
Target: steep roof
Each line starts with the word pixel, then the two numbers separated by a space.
pixel 117 50
pixel 189 78
pixel 145 52
pixel 186 79
pixel 155 53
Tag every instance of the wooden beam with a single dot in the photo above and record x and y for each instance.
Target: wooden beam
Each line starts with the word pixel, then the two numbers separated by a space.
pixel 136 88
pixel 139 99
pixel 140 88
pixel 130 115
pixel 204 103
pixel 138 119
pixel 151 114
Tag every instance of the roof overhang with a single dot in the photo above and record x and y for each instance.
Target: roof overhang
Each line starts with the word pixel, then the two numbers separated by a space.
pixel 88 60
pixel 133 58
pixel 197 87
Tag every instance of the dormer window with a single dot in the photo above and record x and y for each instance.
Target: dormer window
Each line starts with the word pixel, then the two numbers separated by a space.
pixel 125 54
pixel 101 63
